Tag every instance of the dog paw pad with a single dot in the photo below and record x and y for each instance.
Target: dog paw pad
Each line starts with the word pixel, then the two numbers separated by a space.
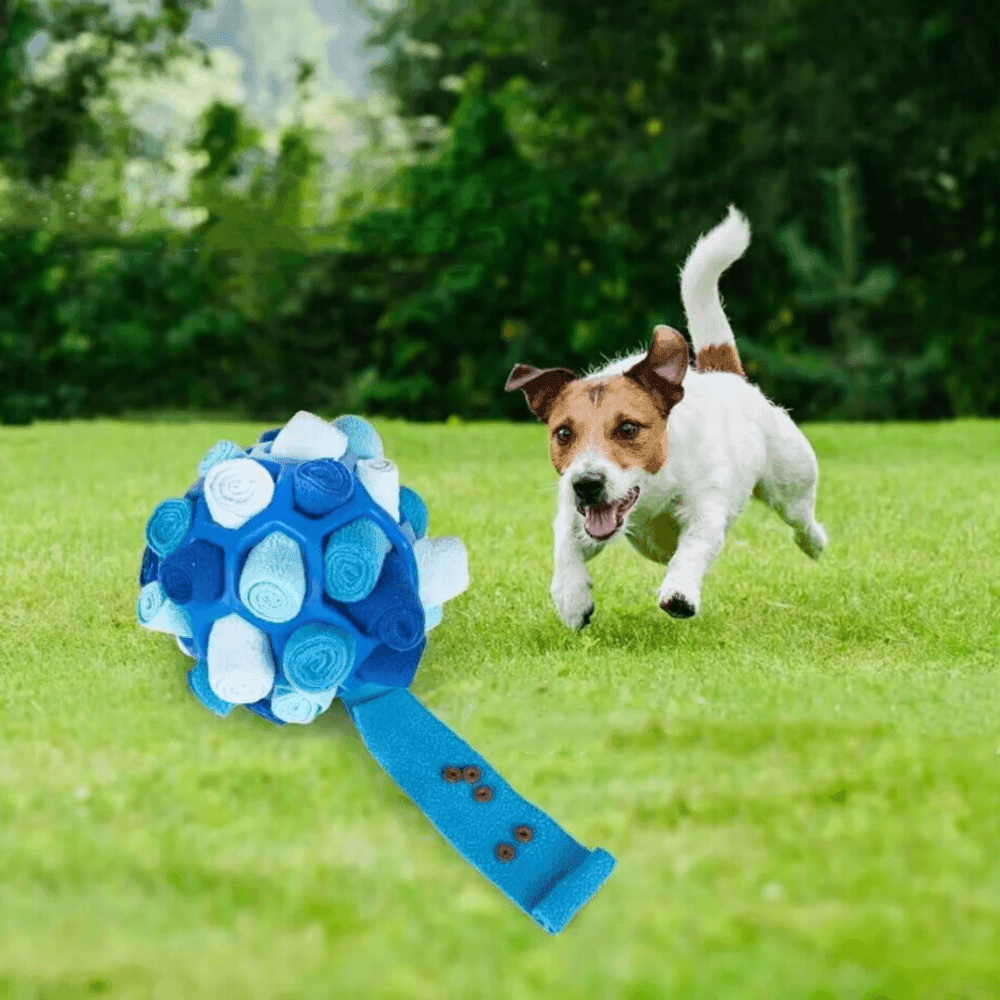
pixel 678 607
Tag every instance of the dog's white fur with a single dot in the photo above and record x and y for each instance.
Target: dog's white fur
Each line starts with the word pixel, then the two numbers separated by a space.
pixel 725 443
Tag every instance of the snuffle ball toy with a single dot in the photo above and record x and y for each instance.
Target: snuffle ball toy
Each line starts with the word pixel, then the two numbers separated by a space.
pixel 299 571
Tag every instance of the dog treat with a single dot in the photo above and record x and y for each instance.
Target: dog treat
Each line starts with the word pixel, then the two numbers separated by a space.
pixel 297 572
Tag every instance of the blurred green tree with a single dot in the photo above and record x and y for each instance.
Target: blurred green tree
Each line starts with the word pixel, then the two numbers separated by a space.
pixel 45 119
pixel 491 255
pixel 670 109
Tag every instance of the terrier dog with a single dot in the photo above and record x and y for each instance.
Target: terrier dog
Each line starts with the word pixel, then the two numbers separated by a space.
pixel 666 454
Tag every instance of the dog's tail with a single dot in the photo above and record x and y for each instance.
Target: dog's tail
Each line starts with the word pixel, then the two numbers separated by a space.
pixel 711 334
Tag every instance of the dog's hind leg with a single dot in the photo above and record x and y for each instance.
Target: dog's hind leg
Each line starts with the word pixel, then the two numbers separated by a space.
pixel 789 483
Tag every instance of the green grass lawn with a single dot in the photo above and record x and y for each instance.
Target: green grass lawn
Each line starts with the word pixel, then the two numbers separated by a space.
pixel 801 786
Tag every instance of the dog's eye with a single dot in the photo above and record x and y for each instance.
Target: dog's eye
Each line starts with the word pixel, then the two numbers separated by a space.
pixel 628 429
pixel 563 434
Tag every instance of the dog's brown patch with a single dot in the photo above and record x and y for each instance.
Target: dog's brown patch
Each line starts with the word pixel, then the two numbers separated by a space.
pixel 541 386
pixel 583 419
pixel 624 417
pixel 596 393
pixel 720 358
pixel 627 414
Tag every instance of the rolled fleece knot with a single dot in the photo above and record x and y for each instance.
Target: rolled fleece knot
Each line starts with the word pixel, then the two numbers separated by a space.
pixel 157 612
pixel 240 662
pixel 380 478
pixel 307 436
pixel 290 704
pixel 413 510
pixel 219 452
pixel 394 616
pixel 321 486
pixel 168 525
pixel 236 490
pixel 318 658
pixel 353 559
pixel 198 683
pixel 362 438
pixel 273 581
pixel 194 572
pixel 442 569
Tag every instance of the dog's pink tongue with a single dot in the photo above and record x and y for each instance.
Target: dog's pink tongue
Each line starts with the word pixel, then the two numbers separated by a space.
pixel 602 519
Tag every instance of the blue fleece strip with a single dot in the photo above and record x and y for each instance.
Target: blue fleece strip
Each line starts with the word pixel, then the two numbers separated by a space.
pixel 549 876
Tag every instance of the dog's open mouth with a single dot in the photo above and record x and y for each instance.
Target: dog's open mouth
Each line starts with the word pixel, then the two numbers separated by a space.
pixel 604 519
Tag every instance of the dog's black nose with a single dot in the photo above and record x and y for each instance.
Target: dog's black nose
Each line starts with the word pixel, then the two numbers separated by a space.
pixel 589 488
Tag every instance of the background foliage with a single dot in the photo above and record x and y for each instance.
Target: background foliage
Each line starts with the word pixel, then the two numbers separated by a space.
pixel 588 146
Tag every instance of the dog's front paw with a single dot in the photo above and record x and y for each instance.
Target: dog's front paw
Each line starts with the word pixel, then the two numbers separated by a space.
pixel 678 606
pixel 573 601
pixel 676 602
pixel 812 541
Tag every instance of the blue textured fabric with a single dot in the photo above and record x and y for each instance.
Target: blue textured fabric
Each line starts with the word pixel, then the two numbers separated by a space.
pixel 353 560
pixel 392 610
pixel 211 588
pixel 219 452
pixel 291 704
pixel 273 580
pixel 213 570
pixel 321 486
pixel 193 573
pixel 268 435
pixel 156 611
pixel 198 684
pixel 150 567
pixel 362 438
pixel 263 709
pixel 317 657
pixel 168 524
pixel 390 668
pixel 550 877
pixel 413 510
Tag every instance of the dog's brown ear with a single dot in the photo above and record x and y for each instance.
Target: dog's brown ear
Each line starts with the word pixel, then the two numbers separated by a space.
pixel 541 386
pixel 662 370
